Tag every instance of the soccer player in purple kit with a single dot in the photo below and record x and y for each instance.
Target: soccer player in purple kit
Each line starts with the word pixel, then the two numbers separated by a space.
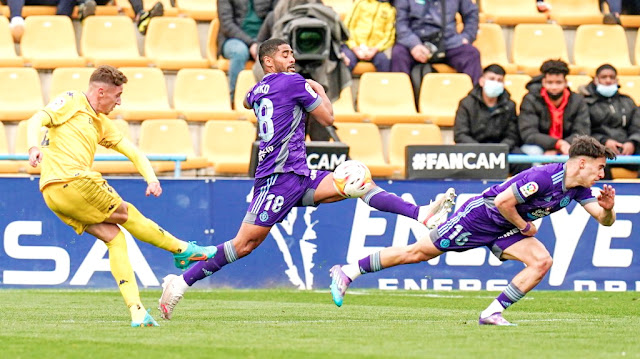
pixel 500 219
pixel 281 100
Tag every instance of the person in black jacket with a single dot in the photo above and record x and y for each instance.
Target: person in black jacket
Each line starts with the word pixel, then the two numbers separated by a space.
pixel 488 115
pixel 615 118
pixel 550 114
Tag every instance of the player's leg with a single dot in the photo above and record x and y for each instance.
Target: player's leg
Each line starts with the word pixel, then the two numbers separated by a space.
pixel 538 262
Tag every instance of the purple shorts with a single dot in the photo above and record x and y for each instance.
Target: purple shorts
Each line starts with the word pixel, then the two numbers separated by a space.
pixel 275 195
pixel 471 227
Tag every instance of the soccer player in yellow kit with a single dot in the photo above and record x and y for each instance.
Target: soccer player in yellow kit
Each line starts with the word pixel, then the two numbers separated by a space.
pixel 81 198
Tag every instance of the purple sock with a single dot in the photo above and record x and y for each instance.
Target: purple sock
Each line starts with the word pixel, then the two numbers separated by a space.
pixel 509 296
pixel 206 268
pixel 370 263
pixel 389 202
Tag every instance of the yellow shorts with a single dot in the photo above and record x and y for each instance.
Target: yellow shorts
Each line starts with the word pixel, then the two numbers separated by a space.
pixel 82 202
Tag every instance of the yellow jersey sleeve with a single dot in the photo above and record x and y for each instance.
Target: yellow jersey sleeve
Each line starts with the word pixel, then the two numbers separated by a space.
pixel 111 135
pixel 138 158
pixel 63 107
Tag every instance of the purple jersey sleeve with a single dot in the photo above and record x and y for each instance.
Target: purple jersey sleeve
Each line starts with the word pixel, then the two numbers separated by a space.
pixel 584 196
pixel 301 91
pixel 531 185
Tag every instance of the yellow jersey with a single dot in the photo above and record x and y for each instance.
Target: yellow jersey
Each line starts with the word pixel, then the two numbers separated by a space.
pixel 74 131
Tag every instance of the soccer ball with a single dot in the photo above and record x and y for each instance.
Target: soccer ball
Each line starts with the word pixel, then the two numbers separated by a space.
pixel 352 179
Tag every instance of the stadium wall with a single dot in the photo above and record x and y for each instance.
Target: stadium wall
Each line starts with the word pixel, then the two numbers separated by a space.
pixel 38 250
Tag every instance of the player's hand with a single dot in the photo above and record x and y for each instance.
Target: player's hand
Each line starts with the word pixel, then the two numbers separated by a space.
pixel 606 198
pixel 154 189
pixel 315 86
pixel 35 156
pixel 531 231
pixel 628 148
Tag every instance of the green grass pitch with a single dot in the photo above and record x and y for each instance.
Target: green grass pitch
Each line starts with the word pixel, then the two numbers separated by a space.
pixel 306 324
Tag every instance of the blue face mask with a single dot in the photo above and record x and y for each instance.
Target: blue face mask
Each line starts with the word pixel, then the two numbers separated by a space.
pixel 607 90
pixel 493 88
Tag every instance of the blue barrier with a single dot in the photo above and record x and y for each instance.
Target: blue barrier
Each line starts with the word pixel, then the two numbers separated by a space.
pixel 621 160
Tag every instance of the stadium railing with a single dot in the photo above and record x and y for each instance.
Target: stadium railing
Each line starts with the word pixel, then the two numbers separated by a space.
pixel 622 160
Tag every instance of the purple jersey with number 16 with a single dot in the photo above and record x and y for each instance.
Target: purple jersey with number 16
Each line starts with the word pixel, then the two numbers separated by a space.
pixel 280 102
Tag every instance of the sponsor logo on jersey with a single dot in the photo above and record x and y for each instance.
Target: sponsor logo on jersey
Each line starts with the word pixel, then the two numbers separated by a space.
pixel 445 243
pixel 264 216
pixel 528 189
pixel 310 90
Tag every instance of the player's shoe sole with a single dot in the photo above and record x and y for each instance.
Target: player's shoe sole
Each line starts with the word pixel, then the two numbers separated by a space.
pixel 172 293
pixel 437 212
pixel 495 319
pixel 192 254
pixel 339 284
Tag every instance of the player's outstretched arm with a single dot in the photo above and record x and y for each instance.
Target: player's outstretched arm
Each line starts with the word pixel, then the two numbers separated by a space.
pixel 602 210
pixel 142 165
pixel 36 122
pixel 323 113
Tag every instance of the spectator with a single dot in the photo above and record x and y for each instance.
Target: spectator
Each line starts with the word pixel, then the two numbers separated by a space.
pixel 371 25
pixel 240 22
pixel 551 115
pixel 419 38
pixel 615 118
pixel 16 25
pixel 488 115
pixel 142 19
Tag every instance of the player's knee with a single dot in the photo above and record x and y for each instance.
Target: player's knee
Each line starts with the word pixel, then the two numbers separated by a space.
pixel 543 264
pixel 416 254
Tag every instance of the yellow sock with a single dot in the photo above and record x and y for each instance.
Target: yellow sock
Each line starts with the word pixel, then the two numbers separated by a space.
pixel 137 312
pixel 148 231
pixel 122 270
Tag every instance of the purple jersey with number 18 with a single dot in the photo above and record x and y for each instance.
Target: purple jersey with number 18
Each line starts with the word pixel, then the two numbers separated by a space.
pixel 280 102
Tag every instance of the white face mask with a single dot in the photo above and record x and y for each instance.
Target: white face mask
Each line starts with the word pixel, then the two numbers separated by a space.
pixel 493 88
pixel 607 90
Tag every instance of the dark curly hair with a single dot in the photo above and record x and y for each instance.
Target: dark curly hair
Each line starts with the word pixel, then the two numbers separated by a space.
pixel 554 67
pixel 590 147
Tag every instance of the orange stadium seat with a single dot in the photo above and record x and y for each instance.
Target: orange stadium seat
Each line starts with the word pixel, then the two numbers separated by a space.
pixel 50 42
pixel 493 49
pixel 6 166
pixel 575 12
pixel 20 93
pixel 227 144
pixel 170 137
pixel 244 83
pixel 199 10
pixel 144 96
pixel 575 81
pixel 343 110
pixel 110 40
pixel 511 12
pixel 535 43
pixel 126 8
pixel 440 95
pixel 365 145
pixel 598 44
pixel 630 86
pixel 8 57
pixel 516 84
pixel 172 43
pixel 387 98
pixel 212 49
pixel 203 94
pixel 22 148
pixel 69 79
pixel 403 135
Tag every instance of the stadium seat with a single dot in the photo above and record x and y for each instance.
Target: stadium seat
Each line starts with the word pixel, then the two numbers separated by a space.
pixel 212 49
pixel 50 42
pixel 365 145
pixel 493 50
pixel 199 10
pixel 172 43
pixel 575 81
pixel 630 21
pixel 69 79
pixel 623 173
pixel 126 8
pixel 535 43
pixel 170 137
pixel 362 67
pixel 403 135
pixel 387 98
pixel 511 12
pixel 203 94
pixel 145 95
pixel 110 40
pixel 342 7
pixel 20 93
pixel 630 86
pixel 343 108
pixel 245 82
pixel 21 147
pixel 575 12
pixel 227 144
pixel 6 166
pixel 598 44
pixel 516 84
pixel 8 57
pixel 440 95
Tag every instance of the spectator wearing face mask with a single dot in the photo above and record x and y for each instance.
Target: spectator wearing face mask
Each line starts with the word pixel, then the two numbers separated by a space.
pixel 615 118
pixel 488 115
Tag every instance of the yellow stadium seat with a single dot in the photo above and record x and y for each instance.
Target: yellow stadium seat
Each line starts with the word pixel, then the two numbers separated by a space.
pixel 493 50
pixel 50 42
pixel 144 96
pixel 599 44
pixel 623 173
pixel 511 12
pixel 126 8
pixel 637 49
pixel 170 137
pixel 575 81
pixel 387 98
pixel 575 12
pixel 69 79
pixel 630 20
pixel 8 57
pixel 203 94
pixel 110 40
pixel 516 84
pixel 440 95
pixel 533 44
pixel 22 148
pixel 343 108
pixel 365 145
pixel 6 166
pixel 173 43
pixel 228 145
pixel 199 10
pixel 244 83
pixel 630 86
pixel 212 49
pixel 20 93
pixel 403 135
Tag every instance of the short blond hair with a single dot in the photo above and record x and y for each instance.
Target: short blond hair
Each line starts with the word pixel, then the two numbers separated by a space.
pixel 109 75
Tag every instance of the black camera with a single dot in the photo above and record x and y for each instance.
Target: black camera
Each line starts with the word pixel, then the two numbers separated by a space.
pixel 310 39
